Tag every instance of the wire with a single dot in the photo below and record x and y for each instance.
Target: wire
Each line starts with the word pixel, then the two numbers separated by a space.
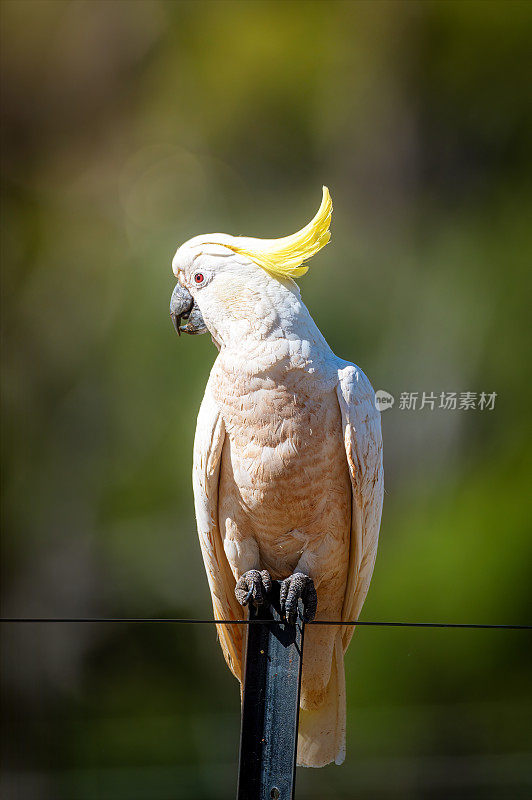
pixel 185 621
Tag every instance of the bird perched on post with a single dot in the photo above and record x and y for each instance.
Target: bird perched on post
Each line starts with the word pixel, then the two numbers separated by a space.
pixel 288 479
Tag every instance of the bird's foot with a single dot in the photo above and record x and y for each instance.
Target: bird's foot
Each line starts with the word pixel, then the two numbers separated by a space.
pixel 298 586
pixel 253 585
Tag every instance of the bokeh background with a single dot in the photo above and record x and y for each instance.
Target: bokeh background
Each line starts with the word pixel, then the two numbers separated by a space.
pixel 129 127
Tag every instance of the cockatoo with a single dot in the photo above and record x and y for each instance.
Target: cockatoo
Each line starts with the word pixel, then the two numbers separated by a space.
pixel 287 474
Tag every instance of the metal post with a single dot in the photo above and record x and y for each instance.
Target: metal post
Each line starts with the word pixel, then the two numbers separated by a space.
pixel 270 704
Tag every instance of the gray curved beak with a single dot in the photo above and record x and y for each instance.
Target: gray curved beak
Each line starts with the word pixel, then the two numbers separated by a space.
pixel 183 307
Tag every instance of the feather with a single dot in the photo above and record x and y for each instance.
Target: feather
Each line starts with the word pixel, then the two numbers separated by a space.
pixel 285 257
pixel 363 443
pixel 322 730
pixel 208 445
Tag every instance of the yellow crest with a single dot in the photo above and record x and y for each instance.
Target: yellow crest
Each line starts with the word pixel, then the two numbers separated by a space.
pixel 283 258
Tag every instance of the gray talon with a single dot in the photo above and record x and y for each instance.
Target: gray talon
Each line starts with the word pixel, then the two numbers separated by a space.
pixel 298 586
pixel 247 598
pixel 253 585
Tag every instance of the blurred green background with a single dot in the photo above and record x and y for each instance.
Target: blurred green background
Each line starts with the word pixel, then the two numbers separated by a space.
pixel 129 127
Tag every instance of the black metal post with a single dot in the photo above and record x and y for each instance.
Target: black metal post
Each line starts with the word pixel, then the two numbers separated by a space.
pixel 270 705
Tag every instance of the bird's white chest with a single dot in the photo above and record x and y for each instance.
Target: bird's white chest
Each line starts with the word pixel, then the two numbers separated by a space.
pixel 284 450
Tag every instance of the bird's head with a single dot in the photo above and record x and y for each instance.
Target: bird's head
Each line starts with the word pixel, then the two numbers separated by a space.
pixel 232 283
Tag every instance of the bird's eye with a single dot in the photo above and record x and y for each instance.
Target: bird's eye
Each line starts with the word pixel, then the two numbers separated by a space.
pixel 199 278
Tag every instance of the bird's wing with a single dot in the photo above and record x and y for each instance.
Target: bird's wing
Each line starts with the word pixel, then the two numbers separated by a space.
pixel 363 444
pixel 208 445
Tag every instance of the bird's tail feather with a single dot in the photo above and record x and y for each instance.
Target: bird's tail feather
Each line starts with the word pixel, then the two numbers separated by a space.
pixel 321 737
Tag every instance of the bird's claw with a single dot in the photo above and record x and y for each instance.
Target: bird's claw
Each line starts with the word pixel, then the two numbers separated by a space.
pixel 298 586
pixel 253 585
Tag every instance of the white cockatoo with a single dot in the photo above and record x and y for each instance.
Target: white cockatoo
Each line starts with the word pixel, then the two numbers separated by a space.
pixel 288 479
